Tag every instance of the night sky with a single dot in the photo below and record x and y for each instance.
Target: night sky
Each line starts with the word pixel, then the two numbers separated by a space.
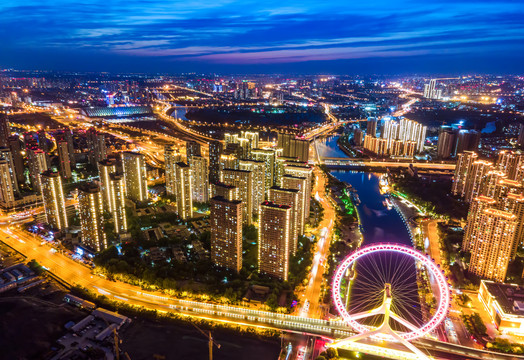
pixel 345 36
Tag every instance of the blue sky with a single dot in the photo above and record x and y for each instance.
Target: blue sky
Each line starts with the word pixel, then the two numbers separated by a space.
pixel 346 36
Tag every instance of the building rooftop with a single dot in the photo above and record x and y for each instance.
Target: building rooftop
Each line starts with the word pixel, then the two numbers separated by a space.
pixel 509 296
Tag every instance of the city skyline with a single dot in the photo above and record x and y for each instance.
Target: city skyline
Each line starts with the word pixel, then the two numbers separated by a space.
pixel 249 37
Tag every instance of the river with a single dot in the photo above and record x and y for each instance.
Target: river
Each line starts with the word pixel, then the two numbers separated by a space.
pixel 378 225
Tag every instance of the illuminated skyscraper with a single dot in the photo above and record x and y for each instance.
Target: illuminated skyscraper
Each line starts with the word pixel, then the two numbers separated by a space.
pixel 258 172
pixel 135 175
pixel 5 132
pixel 37 165
pixel 92 216
pixel 171 156
pixel 226 233
pixel 7 193
pixel 105 169
pixel 371 127
pixel 215 152
pixel 293 147
pixel 228 192
pixel 252 136
pixel 509 162
pixel 300 184
pixel 304 172
pixel 492 242
pixel 184 198
pixel 446 142
pixel 5 154
pixel 268 156
pixel 54 200
pixel 243 180
pixel 64 160
pixel 289 197
pixel 463 169
pixel 476 180
pixel 199 179
pixel 274 239
pixel 118 206
pixel 96 146
pixel 18 160
pixel 192 149
pixel 280 163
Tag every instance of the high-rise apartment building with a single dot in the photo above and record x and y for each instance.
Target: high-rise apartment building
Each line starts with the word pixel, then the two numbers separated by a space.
pixel 446 142
pixel 105 169
pixel 243 180
pixel 520 138
pixel 463 169
pixel 293 147
pixel 37 164
pixel 96 146
pixel 289 197
pixel 192 149
pixel 5 131
pixel 280 163
pixel 199 178
pixel 117 199
pixel 92 216
pixel 172 155
pixel 252 137
pixel 226 233
pixel 371 127
pixel 7 192
pixel 184 195
pixel 258 172
pixel 64 160
pixel 300 184
pixel 135 175
pixel 215 152
pixel 509 162
pixel 6 154
pixel 269 157
pixel 16 153
pixel 228 192
pixel 476 180
pixel 274 239
pixel 492 243
pixel 54 200
pixel 304 172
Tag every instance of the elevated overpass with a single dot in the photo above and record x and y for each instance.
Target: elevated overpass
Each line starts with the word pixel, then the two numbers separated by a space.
pixel 360 163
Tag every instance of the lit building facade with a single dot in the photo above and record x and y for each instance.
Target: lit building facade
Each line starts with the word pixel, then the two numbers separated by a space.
pixel 258 172
pixel 37 165
pixel 54 200
pixel 184 192
pixel 226 233
pixel 135 175
pixel 199 179
pixel 91 213
pixel 243 180
pixel 274 240
pixel 118 205
pixel 171 156
pixel 289 197
pixel 63 159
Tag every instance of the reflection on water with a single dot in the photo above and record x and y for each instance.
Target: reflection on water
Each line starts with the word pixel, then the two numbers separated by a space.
pixel 327 147
pixel 179 113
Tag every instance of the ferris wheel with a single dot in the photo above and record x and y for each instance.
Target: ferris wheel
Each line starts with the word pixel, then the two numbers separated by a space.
pixel 375 292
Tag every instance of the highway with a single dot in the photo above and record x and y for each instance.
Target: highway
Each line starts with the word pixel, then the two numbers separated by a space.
pixel 311 306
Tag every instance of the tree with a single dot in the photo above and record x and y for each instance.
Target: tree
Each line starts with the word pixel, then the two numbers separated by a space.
pixel 332 353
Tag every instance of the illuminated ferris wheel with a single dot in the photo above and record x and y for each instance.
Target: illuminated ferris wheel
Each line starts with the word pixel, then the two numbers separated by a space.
pixel 375 292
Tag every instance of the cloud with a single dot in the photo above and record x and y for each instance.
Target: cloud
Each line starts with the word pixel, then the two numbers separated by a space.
pixel 250 32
